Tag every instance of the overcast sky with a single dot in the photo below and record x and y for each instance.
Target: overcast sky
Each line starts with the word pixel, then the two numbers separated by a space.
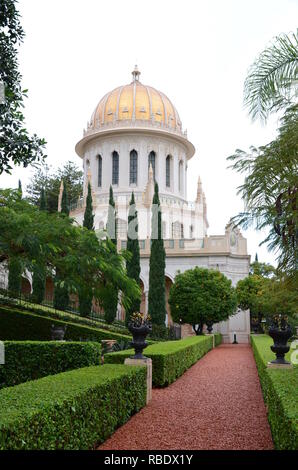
pixel 197 52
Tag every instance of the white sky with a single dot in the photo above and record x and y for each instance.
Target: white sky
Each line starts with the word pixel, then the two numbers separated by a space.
pixel 197 52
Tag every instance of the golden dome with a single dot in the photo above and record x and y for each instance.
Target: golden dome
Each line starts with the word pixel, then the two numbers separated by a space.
pixel 135 102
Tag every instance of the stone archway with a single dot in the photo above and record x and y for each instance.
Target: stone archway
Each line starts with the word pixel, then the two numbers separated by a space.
pixel 25 287
pixel 49 292
pixel 168 284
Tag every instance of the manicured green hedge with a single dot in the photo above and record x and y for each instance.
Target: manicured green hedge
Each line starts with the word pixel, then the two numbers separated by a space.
pixel 30 360
pixel 280 394
pixel 170 359
pixel 72 410
pixel 217 339
pixel 17 324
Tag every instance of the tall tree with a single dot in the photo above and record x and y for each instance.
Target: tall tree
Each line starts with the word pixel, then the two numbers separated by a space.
pixel 270 190
pixel 39 268
pixel 49 179
pixel 20 188
pixel 271 83
pixel 157 298
pixel 43 201
pixel 86 294
pixel 88 221
pixel 133 267
pixel 16 146
pixel 61 295
pixel 111 222
pixel 15 270
pixel 111 302
pixel 65 201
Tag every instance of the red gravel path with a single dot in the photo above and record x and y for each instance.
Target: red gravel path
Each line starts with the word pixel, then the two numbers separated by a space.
pixel 216 404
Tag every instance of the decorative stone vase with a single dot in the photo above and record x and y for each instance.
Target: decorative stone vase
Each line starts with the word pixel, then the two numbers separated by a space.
pixel 58 332
pixel 255 326
pixel 139 334
pixel 209 326
pixel 280 347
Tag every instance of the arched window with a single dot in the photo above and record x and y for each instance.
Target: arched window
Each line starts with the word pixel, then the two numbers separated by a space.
pixel 177 230
pixel 115 168
pixel 121 228
pixel 99 173
pixel 180 175
pixel 168 171
pixel 151 160
pixel 133 168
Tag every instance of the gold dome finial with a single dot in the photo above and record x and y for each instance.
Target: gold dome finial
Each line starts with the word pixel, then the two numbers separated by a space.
pixel 136 74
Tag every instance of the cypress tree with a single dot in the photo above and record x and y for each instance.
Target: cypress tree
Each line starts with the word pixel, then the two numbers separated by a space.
pixel 65 201
pixel 133 265
pixel 20 189
pixel 157 298
pixel 39 271
pixel 86 295
pixel 61 298
pixel 14 276
pixel 111 302
pixel 111 222
pixel 42 201
pixel 88 215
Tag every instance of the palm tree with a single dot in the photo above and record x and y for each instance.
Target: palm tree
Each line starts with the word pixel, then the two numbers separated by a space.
pixel 271 82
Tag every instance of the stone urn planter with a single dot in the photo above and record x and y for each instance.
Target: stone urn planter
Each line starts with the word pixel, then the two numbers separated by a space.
pixel 280 332
pixel 209 326
pixel 58 332
pixel 139 327
pixel 255 325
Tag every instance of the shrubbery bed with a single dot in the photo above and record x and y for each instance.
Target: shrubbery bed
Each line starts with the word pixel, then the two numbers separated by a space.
pixel 22 325
pixel 30 360
pixel 170 359
pixel 280 394
pixel 71 410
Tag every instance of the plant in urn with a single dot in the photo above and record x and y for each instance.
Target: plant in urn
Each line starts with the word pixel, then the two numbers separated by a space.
pixel 139 326
pixel 280 331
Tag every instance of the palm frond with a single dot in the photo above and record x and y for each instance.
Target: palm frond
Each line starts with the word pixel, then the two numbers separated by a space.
pixel 272 79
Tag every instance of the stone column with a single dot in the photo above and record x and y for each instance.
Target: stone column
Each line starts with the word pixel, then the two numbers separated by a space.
pixel 146 362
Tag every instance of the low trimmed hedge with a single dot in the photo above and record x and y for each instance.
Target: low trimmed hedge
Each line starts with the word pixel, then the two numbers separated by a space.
pixel 21 325
pixel 170 359
pixel 72 410
pixel 217 339
pixel 31 360
pixel 280 394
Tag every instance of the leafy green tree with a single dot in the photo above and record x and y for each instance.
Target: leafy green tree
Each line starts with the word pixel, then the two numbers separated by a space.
pixel 270 191
pixel 250 294
pixel 272 79
pixel 54 241
pixel 262 269
pixel 88 221
pixel 15 271
pixel 111 222
pixel 38 283
pixel 133 263
pixel 16 146
pixel 157 296
pixel 86 294
pixel 200 296
pixel 50 179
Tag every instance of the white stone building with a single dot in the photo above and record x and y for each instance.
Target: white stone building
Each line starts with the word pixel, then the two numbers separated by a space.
pixel 134 137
